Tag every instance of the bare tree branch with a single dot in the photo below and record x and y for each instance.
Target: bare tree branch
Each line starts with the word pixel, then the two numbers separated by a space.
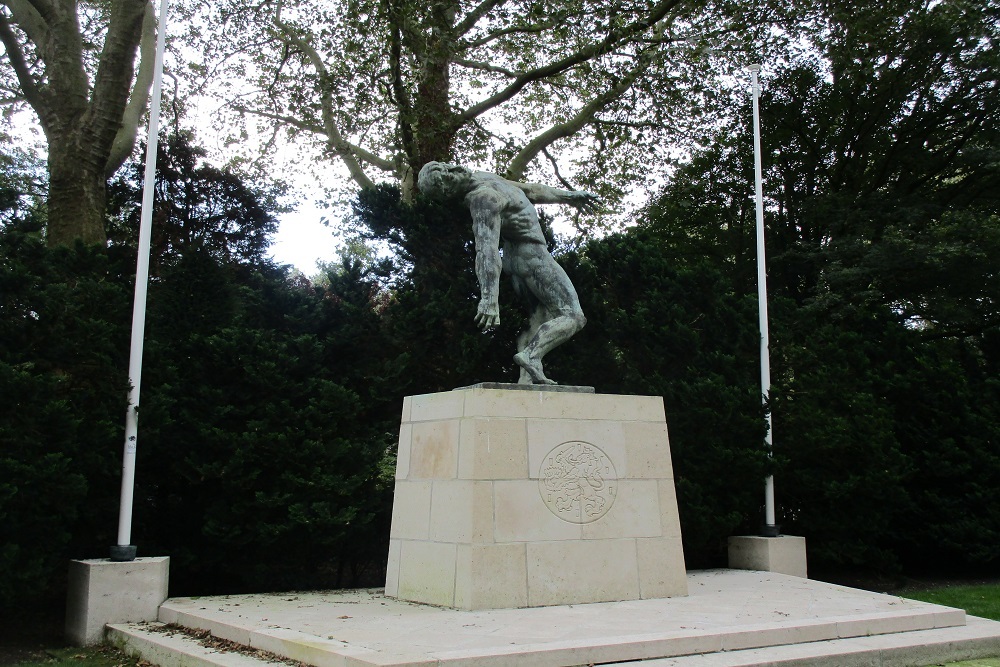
pixel 643 125
pixel 555 168
pixel 125 138
pixel 486 67
pixel 16 57
pixel 335 141
pixel 45 9
pixel 613 39
pixel 399 93
pixel 113 80
pixel 29 20
pixel 473 17
pixel 313 128
pixel 62 50
pixel 581 118
pixel 515 30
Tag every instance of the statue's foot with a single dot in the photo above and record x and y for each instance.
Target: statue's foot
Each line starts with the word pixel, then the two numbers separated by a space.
pixel 534 369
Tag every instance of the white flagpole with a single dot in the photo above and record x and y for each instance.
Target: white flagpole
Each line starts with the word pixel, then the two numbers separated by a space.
pixel 124 550
pixel 770 528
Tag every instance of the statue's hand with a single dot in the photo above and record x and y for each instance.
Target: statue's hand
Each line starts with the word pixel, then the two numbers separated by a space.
pixel 585 201
pixel 488 314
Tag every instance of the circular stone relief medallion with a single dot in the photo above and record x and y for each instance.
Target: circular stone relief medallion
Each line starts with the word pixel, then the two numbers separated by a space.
pixel 578 482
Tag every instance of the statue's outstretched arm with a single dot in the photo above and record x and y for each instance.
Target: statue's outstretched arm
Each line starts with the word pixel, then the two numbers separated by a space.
pixel 485 209
pixel 543 194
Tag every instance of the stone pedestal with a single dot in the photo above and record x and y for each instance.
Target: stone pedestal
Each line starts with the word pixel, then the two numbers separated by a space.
pixel 785 554
pixel 530 498
pixel 101 591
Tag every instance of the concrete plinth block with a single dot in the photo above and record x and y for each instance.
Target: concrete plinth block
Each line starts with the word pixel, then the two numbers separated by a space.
pixel 101 591
pixel 513 498
pixel 785 554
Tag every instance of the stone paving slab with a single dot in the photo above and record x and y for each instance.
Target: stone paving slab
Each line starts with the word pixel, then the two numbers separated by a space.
pixel 727 610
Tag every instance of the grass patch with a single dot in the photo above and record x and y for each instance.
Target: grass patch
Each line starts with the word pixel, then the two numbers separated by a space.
pixel 93 656
pixel 983 600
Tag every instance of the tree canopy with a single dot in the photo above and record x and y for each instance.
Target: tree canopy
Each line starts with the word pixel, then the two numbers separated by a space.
pixel 590 86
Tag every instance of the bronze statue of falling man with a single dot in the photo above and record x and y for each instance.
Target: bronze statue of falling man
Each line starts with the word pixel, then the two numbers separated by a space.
pixel 503 212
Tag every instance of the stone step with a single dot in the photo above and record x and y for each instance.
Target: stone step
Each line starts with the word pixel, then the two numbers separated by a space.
pixel 979 638
pixel 157 644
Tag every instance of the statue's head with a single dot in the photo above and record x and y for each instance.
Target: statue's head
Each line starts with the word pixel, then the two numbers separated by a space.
pixel 442 180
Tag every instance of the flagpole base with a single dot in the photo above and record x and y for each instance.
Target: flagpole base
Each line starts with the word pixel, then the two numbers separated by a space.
pixel 123 553
pixel 770 530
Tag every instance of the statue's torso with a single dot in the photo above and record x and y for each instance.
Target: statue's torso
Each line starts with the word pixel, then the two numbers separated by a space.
pixel 518 217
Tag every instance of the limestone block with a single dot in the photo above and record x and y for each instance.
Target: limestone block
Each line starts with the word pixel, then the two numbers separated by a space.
pixel 392 568
pixel 434 450
pixel 411 510
pixel 648 450
pixel 634 513
pixel 555 405
pixel 544 435
pixel 659 576
pixel 785 554
pixel 434 407
pixel 521 516
pixel 493 449
pixel 589 571
pixel 101 591
pixel 491 576
pixel 669 518
pixel 462 512
pixel 403 451
pixel 427 572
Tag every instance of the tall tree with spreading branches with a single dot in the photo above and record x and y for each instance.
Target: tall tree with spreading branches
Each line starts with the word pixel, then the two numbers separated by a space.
pixel 73 64
pixel 384 86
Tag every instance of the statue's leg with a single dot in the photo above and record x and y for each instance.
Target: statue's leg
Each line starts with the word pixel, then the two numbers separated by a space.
pixel 537 316
pixel 537 313
pixel 560 313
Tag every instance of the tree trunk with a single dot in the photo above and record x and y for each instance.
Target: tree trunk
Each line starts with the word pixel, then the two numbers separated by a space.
pixel 435 123
pixel 77 196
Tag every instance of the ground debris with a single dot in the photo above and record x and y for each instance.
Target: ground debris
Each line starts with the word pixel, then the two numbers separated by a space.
pixel 208 640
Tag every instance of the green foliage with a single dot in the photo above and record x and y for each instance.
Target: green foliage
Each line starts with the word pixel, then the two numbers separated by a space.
pixel 263 438
pixel 61 346
pixel 429 318
pixel 665 320
pixel 589 87
pixel 982 600
pixel 263 449
pixel 262 465
pixel 92 656
pixel 21 176
pixel 198 207
pixel 835 432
